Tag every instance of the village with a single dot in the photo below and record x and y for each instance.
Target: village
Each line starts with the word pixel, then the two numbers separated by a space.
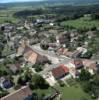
pixel 45 49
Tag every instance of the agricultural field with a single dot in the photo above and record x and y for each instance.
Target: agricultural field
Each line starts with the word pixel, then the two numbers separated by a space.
pixel 7 15
pixel 81 23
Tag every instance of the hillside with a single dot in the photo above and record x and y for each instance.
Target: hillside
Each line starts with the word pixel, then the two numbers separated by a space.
pixel 74 1
pixel 50 2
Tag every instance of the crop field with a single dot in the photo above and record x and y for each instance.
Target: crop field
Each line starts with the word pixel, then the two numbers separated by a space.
pixel 81 23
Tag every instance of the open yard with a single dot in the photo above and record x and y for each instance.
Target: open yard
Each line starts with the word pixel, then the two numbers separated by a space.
pixel 68 93
pixel 73 93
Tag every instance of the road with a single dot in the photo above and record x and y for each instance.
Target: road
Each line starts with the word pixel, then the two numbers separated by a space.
pixel 55 59
pixel 51 55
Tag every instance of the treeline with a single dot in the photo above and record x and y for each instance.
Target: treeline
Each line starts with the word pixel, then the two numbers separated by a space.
pixel 95 16
pixel 3 7
pixel 69 12
pixel 50 2
pixel 75 11
pixel 26 13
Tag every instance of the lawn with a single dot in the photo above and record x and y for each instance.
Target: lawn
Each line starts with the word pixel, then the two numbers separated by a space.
pixel 46 92
pixel 81 23
pixel 73 93
pixel 68 93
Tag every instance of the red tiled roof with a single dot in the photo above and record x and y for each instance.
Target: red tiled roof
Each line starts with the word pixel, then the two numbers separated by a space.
pixel 60 71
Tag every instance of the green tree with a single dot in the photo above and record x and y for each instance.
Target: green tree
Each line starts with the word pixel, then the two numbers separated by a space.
pixel 86 86
pixel 38 82
pixel 21 81
pixel 84 75
pixel 96 79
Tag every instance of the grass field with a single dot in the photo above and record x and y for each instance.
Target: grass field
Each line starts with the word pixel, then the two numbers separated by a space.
pixel 81 23
pixel 46 92
pixel 73 93
pixel 68 93
pixel 7 15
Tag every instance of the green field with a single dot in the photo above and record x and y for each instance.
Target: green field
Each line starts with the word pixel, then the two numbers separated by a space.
pixel 7 15
pixel 68 93
pixel 73 93
pixel 81 23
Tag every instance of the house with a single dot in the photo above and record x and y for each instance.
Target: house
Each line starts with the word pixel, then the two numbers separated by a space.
pixel 42 59
pixel 74 33
pixel 52 31
pixel 97 66
pixel 53 45
pixel 33 57
pixel 7 27
pixel 76 54
pixel 20 94
pixel 32 32
pixel 96 57
pixel 51 24
pixel 30 55
pixel 90 65
pixel 49 78
pixel 60 71
pixel 64 51
pixel 82 50
pixel 14 67
pixel 72 69
pixel 63 39
pixel 78 63
pixel 40 21
pixel 91 34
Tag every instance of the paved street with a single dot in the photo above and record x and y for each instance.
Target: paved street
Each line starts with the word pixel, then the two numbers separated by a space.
pixel 51 55
pixel 56 60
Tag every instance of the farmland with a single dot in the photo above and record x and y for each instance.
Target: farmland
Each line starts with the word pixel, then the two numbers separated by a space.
pixel 81 23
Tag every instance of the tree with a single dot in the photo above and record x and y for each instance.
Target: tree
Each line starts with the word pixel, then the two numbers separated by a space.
pixel 28 74
pixel 52 38
pixel 61 83
pixel 25 77
pixel 3 93
pixel 84 75
pixel 86 86
pixel 38 82
pixel 38 67
pixel 96 79
pixel 21 80
pixel 90 84
pixel 44 46
pixel 87 55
